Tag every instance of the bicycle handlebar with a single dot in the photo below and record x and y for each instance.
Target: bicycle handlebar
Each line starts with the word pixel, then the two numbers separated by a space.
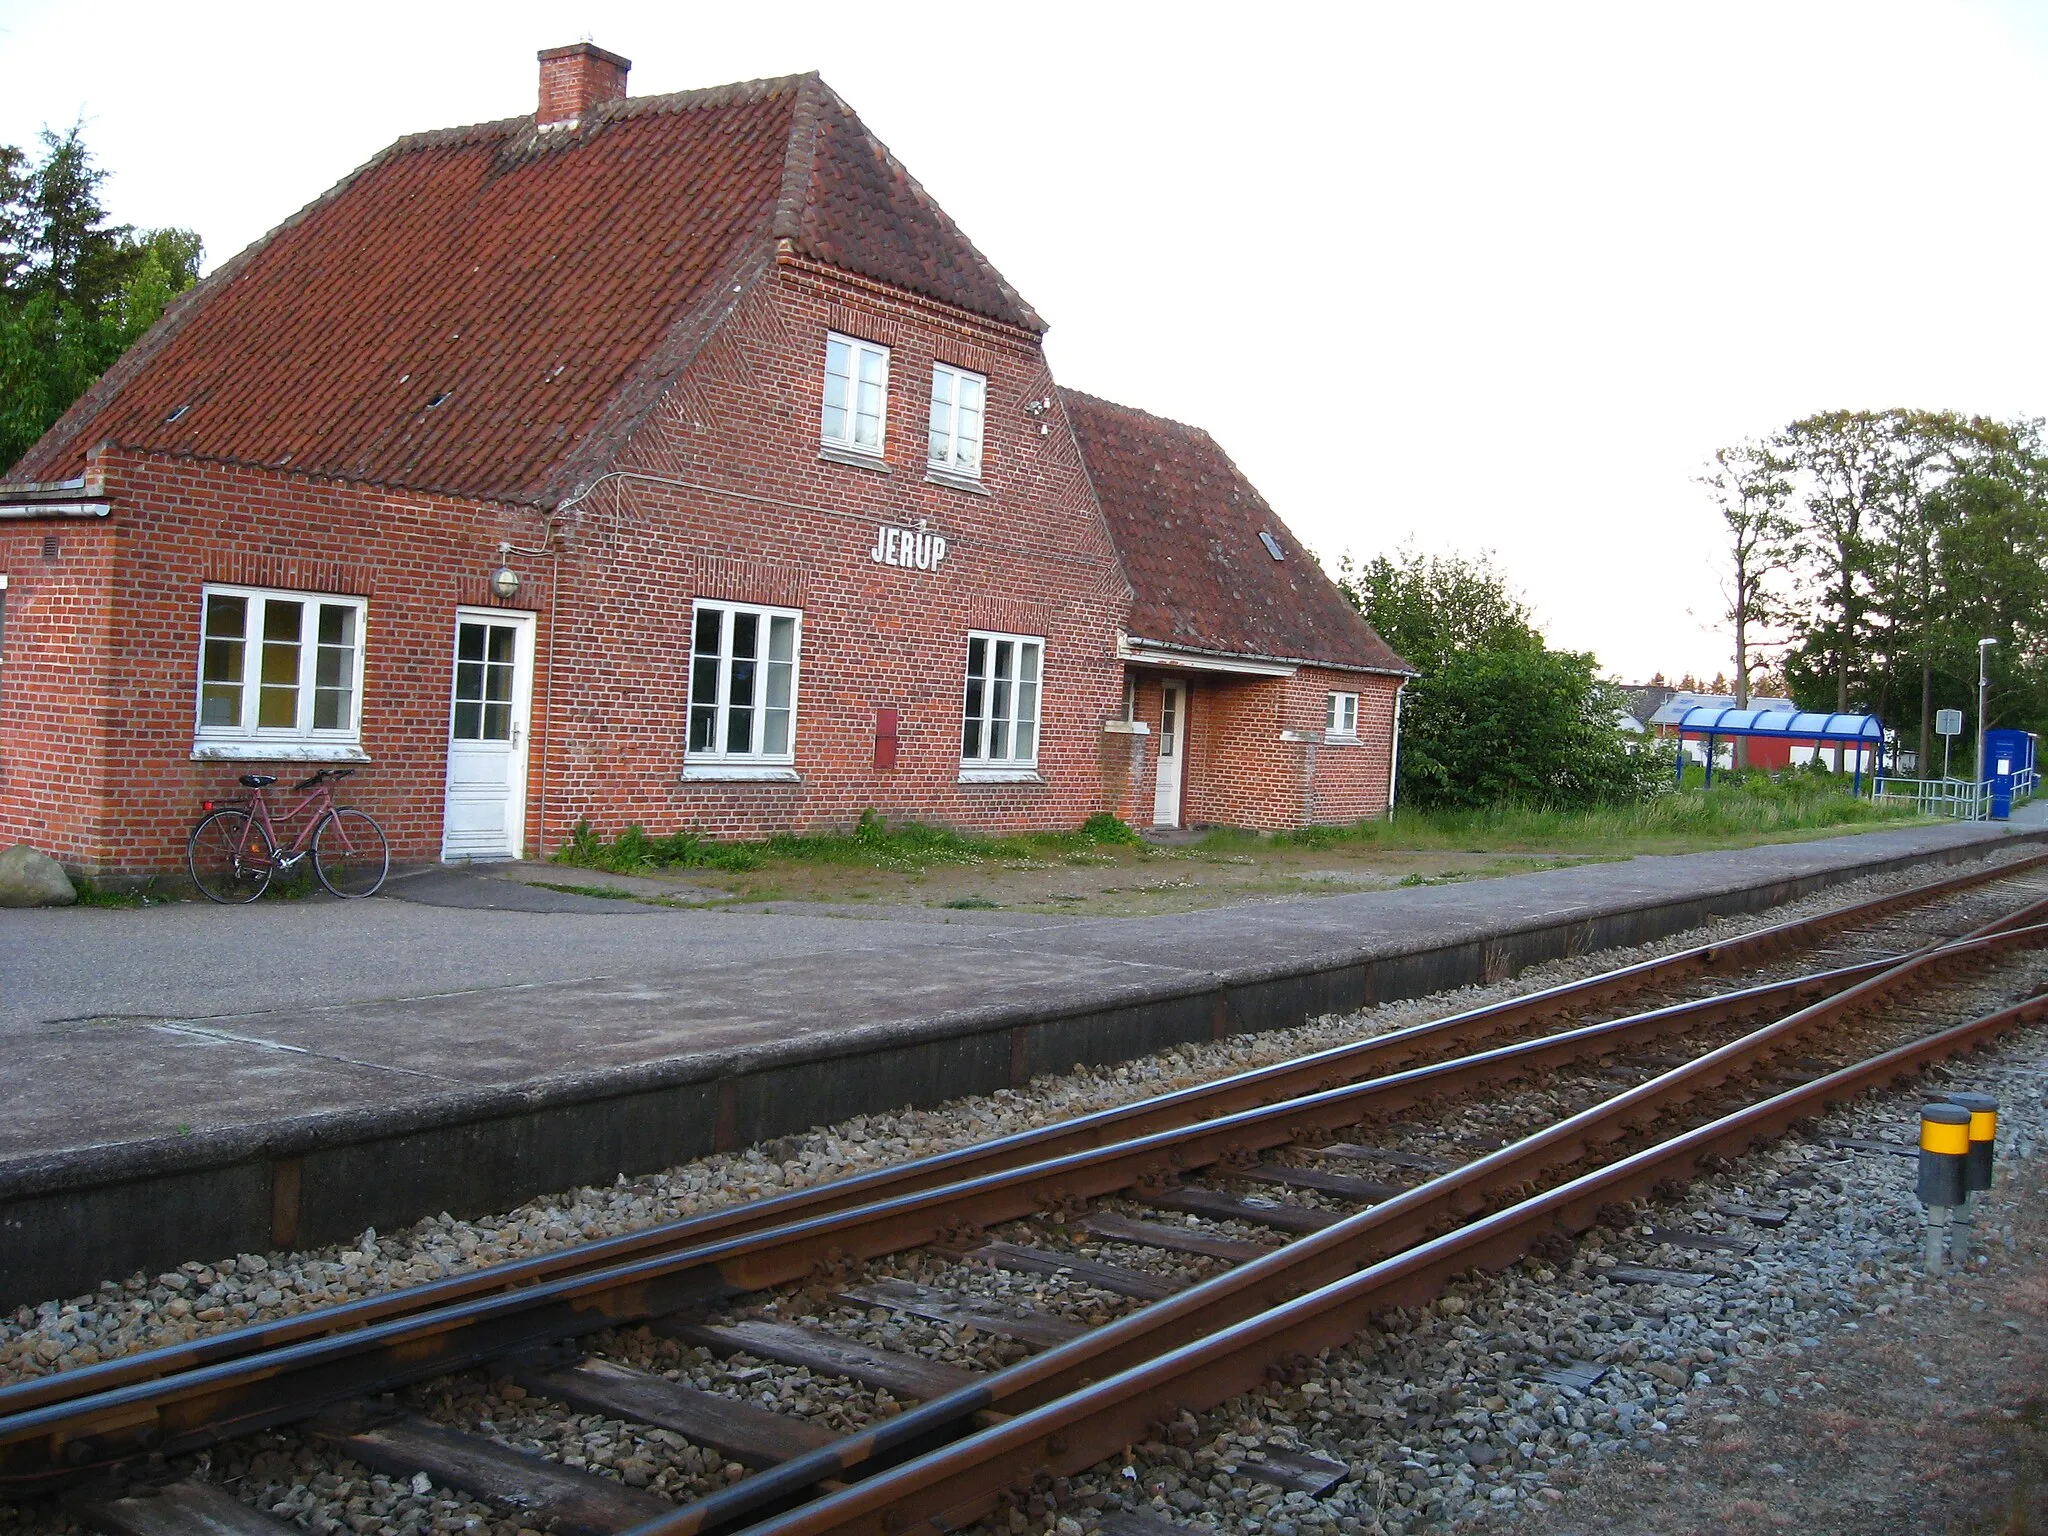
pixel 322 777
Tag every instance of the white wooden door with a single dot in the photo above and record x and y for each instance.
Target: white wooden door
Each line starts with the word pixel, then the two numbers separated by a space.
pixel 487 731
pixel 1173 740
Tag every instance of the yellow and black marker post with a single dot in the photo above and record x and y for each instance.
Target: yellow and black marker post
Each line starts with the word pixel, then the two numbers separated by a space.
pixel 1977 1171
pixel 1944 1159
pixel 1983 1134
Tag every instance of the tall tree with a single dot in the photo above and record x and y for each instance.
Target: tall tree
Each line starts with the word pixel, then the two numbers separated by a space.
pixel 1912 615
pixel 1429 606
pixel 1751 486
pixel 75 290
pixel 1925 530
pixel 1993 575
pixel 1843 461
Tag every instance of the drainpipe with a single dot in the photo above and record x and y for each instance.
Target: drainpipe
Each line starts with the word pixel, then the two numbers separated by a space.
pixel 547 726
pixel 1394 757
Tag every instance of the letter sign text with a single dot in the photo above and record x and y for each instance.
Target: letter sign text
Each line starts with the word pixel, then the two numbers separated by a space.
pixel 913 548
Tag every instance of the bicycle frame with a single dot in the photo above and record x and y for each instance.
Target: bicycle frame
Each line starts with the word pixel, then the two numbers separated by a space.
pixel 259 813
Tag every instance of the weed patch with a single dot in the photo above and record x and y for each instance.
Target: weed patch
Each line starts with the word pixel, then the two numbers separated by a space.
pixel 601 892
pixel 872 842
pixel 144 895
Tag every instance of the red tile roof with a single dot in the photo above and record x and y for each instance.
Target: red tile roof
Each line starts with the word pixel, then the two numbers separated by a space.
pixel 490 311
pixel 1187 525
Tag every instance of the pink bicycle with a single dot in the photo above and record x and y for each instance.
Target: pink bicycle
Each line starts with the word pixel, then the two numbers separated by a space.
pixel 233 854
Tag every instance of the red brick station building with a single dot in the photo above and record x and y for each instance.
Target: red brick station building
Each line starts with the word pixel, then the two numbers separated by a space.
pixel 666 459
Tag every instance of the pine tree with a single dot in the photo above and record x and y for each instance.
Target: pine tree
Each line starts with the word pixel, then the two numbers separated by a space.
pixel 75 290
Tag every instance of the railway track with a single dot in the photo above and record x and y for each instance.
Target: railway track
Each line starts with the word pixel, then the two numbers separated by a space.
pixel 1189 1191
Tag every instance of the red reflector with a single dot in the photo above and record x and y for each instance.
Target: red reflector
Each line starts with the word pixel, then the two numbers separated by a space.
pixel 206 805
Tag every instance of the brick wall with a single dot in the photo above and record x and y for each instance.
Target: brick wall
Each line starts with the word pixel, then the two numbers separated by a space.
pixel 56 656
pixel 1032 557
pixel 1240 773
pixel 98 699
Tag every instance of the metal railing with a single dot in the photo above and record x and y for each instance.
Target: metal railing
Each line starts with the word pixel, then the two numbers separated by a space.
pixel 1963 799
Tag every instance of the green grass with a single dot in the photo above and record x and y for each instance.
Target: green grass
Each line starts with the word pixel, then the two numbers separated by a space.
pixel 1749 810
pixel 1755 810
pixel 601 892
pixel 871 843
pixel 144 895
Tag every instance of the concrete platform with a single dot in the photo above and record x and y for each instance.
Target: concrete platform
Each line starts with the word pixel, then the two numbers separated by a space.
pixel 186 1082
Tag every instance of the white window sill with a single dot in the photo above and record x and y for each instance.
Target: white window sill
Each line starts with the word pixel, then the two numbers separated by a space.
pixel 833 453
pixel 1334 740
pixel 936 475
pixel 740 773
pixel 1127 728
pixel 1322 738
pixel 278 752
pixel 1000 776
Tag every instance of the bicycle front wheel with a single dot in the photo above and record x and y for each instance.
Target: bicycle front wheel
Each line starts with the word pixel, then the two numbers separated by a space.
pixel 349 853
pixel 229 857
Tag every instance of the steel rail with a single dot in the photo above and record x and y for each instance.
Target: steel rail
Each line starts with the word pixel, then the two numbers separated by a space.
pixel 206 1404
pixel 945 1489
pixel 1260 1085
pixel 1367 1237
pixel 220 1402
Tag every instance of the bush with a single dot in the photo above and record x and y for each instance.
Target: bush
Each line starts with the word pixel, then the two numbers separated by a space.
pixel 1525 726
pixel 1105 828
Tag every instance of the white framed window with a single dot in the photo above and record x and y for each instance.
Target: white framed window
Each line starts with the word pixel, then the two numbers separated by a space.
pixel 743 681
pixel 1342 719
pixel 959 401
pixel 280 674
pixel 999 728
pixel 856 395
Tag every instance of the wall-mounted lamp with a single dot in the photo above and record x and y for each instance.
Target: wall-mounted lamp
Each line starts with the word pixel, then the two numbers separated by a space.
pixel 505 582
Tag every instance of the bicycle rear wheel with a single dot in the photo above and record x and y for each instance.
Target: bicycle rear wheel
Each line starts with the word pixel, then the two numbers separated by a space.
pixel 349 853
pixel 229 857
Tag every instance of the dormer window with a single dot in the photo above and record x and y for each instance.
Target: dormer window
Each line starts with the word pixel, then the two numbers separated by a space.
pixel 958 405
pixel 856 395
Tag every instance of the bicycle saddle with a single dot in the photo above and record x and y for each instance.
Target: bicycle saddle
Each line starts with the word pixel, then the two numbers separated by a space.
pixel 259 780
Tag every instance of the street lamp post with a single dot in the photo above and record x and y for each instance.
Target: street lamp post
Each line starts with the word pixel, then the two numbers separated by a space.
pixel 1983 689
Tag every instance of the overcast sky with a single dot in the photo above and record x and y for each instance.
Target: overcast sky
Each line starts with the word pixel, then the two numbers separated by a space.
pixel 1468 276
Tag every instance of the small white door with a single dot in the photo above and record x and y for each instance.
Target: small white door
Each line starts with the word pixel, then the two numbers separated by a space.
pixel 1173 738
pixel 487 730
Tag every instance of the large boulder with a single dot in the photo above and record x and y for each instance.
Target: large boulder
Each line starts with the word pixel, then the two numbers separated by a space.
pixel 32 879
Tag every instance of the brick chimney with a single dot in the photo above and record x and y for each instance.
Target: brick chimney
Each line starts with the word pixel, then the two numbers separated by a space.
pixel 577 78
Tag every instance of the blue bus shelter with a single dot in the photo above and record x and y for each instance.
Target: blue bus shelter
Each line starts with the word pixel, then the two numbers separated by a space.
pixel 1714 721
